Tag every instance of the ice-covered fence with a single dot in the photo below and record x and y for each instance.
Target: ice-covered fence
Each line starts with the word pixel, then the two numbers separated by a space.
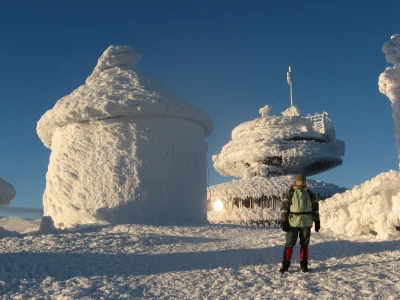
pixel 322 122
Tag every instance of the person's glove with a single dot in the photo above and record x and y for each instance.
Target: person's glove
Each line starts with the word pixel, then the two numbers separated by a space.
pixel 317 225
pixel 285 226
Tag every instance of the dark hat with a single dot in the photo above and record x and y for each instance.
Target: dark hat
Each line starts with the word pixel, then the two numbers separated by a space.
pixel 300 177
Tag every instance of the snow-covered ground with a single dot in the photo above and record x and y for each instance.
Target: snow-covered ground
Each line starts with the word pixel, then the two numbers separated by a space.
pixel 199 262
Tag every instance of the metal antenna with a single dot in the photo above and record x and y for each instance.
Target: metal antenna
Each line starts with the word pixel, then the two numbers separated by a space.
pixel 289 81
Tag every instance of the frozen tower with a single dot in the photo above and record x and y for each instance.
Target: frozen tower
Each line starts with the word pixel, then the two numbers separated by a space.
pixel 124 150
pixel 389 81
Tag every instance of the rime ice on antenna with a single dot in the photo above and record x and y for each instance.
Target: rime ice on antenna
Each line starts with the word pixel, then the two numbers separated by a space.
pixel 289 81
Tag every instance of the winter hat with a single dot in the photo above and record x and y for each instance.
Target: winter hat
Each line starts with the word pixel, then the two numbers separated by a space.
pixel 300 177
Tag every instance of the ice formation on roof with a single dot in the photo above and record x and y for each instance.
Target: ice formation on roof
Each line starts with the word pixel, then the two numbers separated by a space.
pixel 292 111
pixel 124 150
pixel 280 145
pixel 7 192
pixel 389 81
pixel 372 207
pixel 275 186
pixel 116 89
pixel 264 111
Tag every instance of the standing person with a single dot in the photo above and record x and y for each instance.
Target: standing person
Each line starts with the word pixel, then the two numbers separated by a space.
pixel 299 210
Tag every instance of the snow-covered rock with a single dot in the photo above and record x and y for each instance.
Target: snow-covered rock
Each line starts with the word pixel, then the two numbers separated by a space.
pixel 47 226
pixel 124 150
pixel 8 233
pixel 389 81
pixel 7 192
pixel 370 208
pixel 280 145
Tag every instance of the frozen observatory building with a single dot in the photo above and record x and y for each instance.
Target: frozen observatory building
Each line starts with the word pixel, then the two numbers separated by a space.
pixel 124 150
pixel 7 192
pixel 281 145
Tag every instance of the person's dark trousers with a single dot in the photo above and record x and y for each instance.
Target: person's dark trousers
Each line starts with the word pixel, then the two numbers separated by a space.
pixel 291 239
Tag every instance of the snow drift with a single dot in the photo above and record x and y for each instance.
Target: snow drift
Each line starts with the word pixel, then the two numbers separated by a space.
pixel 124 150
pixel 370 208
pixel 7 192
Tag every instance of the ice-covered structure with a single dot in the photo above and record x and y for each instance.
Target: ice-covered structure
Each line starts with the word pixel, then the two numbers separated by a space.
pixel 258 189
pixel 372 207
pixel 7 192
pixel 281 145
pixel 389 81
pixel 266 153
pixel 124 150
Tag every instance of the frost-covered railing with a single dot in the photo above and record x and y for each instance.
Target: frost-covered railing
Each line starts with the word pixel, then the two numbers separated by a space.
pixel 322 122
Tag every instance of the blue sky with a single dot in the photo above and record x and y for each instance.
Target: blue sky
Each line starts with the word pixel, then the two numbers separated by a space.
pixel 227 57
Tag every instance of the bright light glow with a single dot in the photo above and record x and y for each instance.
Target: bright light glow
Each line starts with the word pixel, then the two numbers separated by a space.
pixel 218 205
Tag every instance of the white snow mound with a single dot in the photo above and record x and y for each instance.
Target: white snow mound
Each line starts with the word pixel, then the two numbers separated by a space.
pixel 370 208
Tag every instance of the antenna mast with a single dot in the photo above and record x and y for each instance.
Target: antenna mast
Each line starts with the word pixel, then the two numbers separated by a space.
pixel 289 81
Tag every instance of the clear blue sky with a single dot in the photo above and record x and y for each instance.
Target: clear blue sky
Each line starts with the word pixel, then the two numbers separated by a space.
pixel 229 58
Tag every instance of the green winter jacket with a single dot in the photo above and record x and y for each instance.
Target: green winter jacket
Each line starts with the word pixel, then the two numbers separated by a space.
pixel 300 207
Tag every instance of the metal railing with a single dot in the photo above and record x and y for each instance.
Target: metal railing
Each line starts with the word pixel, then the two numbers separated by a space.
pixel 321 122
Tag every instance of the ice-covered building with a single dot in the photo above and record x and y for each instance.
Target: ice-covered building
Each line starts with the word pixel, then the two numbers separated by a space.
pixel 281 145
pixel 7 192
pixel 124 150
pixel 257 191
pixel 266 151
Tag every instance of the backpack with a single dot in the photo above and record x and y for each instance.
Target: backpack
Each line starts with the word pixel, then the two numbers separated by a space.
pixel 291 193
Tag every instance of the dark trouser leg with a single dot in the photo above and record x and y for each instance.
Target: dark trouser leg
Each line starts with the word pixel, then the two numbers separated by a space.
pixel 291 238
pixel 305 234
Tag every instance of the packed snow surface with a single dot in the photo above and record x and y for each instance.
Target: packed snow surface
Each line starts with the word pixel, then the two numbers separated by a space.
pixel 7 192
pixel 370 208
pixel 389 81
pixel 184 262
pixel 273 186
pixel 124 150
pixel 280 145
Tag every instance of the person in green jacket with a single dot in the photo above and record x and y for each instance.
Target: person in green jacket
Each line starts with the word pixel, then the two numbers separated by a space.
pixel 299 210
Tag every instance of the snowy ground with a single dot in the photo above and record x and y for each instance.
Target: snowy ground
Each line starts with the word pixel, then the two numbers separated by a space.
pixel 209 262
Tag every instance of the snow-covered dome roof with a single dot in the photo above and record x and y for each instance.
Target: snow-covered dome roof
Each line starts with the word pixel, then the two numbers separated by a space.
pixel 117 89
pixel 7 192
pixel 258 186
pixel 281 145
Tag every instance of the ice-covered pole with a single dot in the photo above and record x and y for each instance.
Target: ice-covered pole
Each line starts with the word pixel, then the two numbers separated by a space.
pixel 389 81
pixel 289 81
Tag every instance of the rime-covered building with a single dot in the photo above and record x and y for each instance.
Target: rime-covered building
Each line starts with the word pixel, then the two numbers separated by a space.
pixel 266 151
pixel 124 149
